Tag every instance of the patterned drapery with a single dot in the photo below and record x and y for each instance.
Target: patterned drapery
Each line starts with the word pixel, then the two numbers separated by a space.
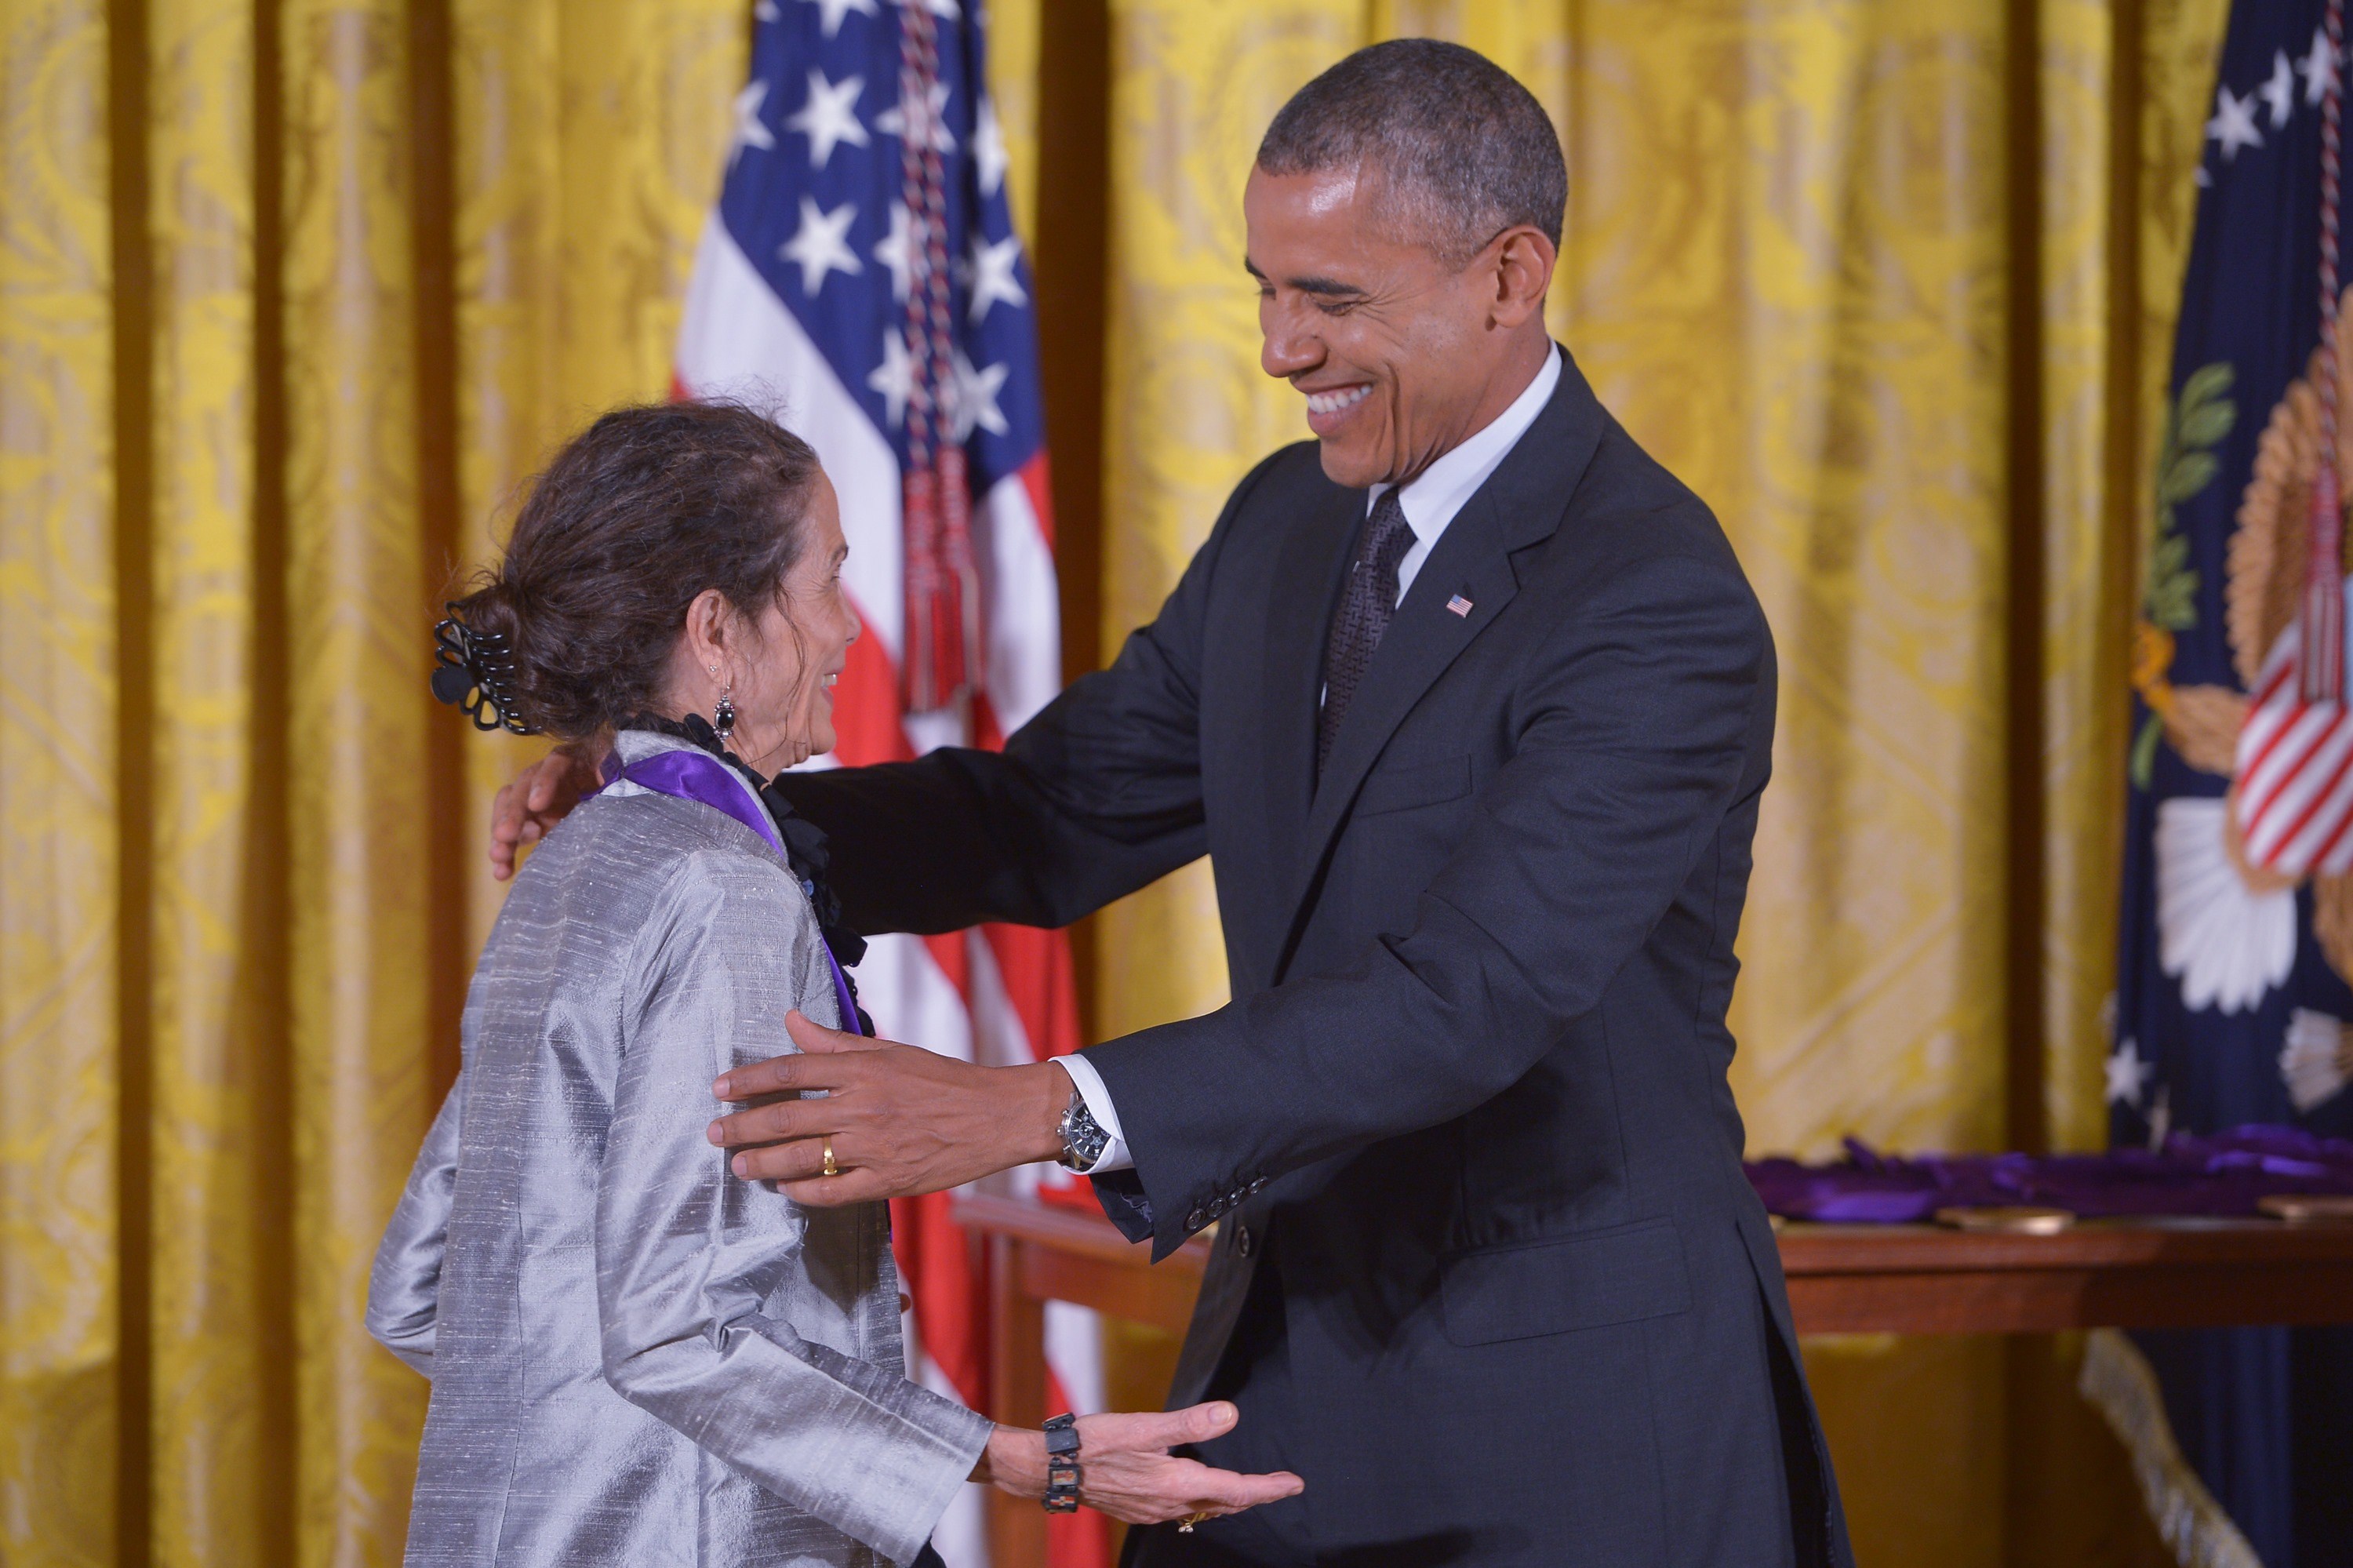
pixel 294 295
pixel 291 297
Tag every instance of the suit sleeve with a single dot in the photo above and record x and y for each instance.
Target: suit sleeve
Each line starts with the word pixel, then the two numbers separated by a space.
pixel 1638 729
pixel 1097 796
pixel 405 1285
pixel 688 1257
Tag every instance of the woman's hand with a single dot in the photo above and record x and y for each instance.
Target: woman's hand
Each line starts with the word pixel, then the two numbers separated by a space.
pixel 1126 1471
pixel 537 799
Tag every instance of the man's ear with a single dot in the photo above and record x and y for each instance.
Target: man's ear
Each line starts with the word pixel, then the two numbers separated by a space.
pixel 1524 259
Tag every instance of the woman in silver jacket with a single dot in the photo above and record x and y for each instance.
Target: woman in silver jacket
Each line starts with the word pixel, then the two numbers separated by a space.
pixel 636 1358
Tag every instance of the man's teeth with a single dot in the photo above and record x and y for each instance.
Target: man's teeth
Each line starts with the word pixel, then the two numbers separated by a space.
pixel 1333 402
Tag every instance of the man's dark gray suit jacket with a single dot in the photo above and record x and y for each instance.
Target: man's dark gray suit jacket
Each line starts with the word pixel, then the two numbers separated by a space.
pixel 1469 1103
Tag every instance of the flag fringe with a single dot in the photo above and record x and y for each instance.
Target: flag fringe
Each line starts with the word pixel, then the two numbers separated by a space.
pixel 2117 1382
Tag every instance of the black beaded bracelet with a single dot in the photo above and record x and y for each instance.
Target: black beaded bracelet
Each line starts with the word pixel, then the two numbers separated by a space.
pixel 1062 1465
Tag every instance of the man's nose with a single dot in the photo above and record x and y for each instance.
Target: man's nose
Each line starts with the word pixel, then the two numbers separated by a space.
pixel 1285 352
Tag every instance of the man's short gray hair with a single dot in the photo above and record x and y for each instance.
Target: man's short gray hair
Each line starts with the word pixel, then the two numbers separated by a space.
pixel 1466 150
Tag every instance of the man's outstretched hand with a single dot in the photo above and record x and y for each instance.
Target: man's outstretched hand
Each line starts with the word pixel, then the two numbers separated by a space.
pixel 901 1120
pixel 535 801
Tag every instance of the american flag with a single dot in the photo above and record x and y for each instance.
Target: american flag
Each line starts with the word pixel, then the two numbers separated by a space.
pixel 862 275
pixel 2233 1003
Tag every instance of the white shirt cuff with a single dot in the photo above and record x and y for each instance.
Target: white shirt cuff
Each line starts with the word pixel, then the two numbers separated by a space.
pixel 1090 1084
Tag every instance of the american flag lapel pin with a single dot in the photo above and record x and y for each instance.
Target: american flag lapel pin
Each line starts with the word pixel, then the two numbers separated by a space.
pixel 1459 606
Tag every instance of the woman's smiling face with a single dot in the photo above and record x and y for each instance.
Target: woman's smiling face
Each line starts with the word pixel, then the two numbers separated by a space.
pixel 777 668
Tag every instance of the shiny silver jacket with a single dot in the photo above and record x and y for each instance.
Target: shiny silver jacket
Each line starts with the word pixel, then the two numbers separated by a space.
pixel 636 1358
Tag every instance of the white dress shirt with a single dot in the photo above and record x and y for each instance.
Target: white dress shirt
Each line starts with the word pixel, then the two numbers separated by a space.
pixel 1431 501
pixel 1430 504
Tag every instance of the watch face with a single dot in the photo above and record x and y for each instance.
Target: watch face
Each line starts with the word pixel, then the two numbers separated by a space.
pixel 1083 1138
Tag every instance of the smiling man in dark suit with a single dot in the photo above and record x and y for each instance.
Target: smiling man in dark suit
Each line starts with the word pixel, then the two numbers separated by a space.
pixel 1470 705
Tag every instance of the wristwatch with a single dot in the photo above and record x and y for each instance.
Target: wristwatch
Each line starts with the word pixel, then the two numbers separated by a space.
pixel 1083 1138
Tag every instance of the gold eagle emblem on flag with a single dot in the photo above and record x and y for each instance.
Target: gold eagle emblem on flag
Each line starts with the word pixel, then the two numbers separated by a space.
pixel 2262 593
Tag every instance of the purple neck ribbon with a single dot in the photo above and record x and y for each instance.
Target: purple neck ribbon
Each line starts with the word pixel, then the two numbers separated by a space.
pixel 695 775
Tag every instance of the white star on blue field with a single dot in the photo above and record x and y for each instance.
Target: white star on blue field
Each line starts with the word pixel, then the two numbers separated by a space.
pixel 816 196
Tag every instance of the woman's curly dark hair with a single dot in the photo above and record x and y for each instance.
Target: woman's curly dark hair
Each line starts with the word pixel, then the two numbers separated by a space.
pixel 637 514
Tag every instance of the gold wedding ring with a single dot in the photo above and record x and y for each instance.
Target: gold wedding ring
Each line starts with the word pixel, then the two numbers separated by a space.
pixel 1185 1526
pixel 830 1167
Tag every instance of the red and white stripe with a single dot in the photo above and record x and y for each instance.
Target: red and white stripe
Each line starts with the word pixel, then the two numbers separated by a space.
pixel 1000 993
pixel 2296 771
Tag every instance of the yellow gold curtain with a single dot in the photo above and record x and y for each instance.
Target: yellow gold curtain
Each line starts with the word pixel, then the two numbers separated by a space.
pixel 286 291
pixel 59 860
pixel 590 135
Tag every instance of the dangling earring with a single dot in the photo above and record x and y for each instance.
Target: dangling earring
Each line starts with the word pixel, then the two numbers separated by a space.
pixel 722 712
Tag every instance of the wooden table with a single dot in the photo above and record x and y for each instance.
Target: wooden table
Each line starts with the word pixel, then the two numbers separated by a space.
pixel 1901 1279
pixel 2121 1274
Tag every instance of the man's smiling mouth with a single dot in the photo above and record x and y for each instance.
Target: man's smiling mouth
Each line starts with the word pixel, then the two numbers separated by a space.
pixel 1339 400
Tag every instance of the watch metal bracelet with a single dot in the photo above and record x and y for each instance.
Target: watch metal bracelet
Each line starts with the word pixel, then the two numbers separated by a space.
pixel 1062 1465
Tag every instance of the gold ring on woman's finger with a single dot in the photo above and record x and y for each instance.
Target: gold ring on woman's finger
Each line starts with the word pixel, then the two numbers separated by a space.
pixel 1185 1526
pixel 830 1167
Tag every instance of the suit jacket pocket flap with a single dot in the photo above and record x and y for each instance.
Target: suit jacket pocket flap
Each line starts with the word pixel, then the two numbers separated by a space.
pixel 1422 784
pixel 1587 1281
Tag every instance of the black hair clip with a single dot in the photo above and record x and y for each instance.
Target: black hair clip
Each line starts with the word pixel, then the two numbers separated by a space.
pixel 475 671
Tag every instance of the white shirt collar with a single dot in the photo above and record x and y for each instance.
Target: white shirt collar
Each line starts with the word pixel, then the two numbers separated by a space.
pixel 1433 498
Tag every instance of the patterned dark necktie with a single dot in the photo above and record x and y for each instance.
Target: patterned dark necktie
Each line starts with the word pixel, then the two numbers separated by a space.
pixel 1365 606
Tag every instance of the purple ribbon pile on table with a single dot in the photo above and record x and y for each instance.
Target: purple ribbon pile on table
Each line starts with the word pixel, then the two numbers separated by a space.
pixel 2217 1176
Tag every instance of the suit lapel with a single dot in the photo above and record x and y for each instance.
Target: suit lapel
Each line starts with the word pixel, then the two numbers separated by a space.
pixel 1521 505
pixel 1422 640
pixel 1309 568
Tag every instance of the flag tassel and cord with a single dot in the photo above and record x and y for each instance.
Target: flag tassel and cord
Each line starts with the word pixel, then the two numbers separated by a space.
pixel 2321 654
pixel 942 650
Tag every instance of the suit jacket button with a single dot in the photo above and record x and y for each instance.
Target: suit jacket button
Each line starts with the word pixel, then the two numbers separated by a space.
pixel 1196 1219
pixel 1242 1240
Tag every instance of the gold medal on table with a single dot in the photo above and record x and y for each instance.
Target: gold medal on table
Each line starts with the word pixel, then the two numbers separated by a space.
pixel 2017 1220
pixel 2309 1208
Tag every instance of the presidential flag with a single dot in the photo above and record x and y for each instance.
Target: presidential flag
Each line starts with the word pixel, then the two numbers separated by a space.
pixel 860 277
pixel 2233 1004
